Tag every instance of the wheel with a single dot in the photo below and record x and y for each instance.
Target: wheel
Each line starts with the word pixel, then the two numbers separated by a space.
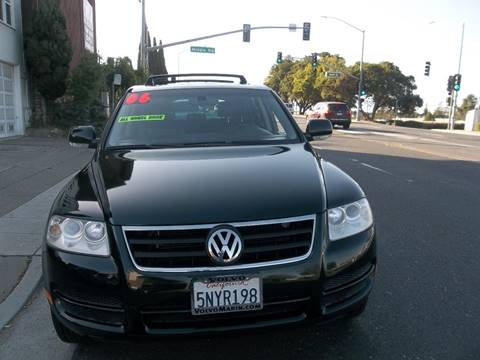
pixel 65 334
pixel 358 310
pixel 346 126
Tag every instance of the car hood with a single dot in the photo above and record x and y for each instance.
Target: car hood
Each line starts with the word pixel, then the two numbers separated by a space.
pixel 209 185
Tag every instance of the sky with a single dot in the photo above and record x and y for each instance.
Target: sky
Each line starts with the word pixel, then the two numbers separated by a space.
pixel 405 32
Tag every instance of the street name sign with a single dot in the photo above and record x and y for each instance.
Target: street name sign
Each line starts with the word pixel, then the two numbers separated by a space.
pixel 333 74
pixel 202 49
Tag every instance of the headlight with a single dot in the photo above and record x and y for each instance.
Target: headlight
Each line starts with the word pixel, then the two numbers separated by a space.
pixel 79 236
pixel 350 219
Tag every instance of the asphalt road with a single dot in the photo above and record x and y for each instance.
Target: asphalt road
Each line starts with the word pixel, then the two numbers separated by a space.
pixel 424 188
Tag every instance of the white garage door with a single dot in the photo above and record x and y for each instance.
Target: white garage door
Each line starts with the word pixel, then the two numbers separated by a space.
pixel 7 101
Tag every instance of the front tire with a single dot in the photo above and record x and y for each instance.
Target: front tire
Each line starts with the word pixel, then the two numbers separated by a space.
pixel 65 334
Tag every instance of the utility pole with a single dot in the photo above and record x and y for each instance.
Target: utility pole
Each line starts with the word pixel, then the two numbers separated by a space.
pixel 453 108
pixel 360 83
pixel 143 41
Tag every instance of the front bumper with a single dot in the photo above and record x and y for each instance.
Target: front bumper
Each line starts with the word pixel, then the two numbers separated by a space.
pixel 104 297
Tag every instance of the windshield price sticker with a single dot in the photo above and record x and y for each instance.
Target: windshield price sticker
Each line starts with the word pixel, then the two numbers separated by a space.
pixel 222 295
pixel 132 118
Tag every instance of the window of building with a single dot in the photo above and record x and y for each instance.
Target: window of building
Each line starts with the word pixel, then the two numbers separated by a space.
pixel 88 26
pixel 6 12
pixel 7 101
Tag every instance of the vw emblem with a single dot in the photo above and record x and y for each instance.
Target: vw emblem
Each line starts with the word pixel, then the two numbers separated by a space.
pixel 224 245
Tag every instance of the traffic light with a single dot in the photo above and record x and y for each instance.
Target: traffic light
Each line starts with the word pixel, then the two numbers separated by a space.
pixel 451 83
pixel 363 92
pixel 457 82
pixel 246 32
pixel 427 68
pixel 279 57
pixel 314 60
pixel 306 31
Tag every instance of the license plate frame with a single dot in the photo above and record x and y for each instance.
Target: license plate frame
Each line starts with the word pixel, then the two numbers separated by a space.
pixel 218 286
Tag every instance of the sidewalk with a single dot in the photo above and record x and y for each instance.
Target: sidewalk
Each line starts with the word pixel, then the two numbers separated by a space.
pixel 458 132
pixel 32 171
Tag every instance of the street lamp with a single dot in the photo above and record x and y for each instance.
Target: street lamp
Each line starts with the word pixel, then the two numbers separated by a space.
pixel 360 83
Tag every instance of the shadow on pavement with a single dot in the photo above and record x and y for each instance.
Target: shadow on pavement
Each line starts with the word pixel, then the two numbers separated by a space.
pixel 327 341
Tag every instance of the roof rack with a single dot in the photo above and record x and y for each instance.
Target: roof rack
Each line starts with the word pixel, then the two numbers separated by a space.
pixel 164 79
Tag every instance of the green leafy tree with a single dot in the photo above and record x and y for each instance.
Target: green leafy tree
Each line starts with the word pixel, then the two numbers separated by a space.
pixel 83 104
pixel 468 104
pixel 389 88
pixel 303 78
pixel 87 80
pixel 156 60
pixel 48 51
pixel 342 88
pixel 122 66
pixel 279 79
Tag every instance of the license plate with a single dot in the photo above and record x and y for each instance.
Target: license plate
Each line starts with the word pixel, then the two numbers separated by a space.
pixel 226 294
pixel 339 113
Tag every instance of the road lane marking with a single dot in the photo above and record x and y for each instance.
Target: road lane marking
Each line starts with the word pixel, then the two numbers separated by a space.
pixel 376 168
pixel 406 137
pixel 421 151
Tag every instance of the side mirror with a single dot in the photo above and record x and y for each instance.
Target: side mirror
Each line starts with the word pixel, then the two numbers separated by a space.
pixel 83 136
pixel 318 129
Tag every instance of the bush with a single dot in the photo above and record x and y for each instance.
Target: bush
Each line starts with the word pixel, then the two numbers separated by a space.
pixel 424 125
pixel 429 116
pixel 82 105
pixel 73 113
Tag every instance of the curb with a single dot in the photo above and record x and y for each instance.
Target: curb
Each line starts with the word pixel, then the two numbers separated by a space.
pixel 22 292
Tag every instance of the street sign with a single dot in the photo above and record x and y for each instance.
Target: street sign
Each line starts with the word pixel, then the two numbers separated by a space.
pixel 117 79
pixel 202 49
pixel 333 74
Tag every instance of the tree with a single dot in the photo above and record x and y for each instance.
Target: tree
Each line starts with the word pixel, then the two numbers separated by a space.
pixel 48 51
pixel 389 88
pixel 468 104
pixel 278 79
pixel 302 77
pixel 156 60
pixel 122 66
pixel 87 80
pixel 342 88
pixel 83 104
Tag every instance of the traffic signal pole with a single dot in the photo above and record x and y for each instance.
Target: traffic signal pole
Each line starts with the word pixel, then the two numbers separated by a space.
pixel 163 46
pixel 451 119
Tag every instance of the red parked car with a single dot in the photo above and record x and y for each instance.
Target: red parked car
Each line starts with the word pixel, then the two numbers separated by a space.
pixel 337 112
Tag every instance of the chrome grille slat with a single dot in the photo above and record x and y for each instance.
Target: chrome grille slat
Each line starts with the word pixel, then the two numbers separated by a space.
pixel 183 248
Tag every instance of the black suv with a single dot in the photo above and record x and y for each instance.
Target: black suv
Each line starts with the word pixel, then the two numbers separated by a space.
pixel 204 209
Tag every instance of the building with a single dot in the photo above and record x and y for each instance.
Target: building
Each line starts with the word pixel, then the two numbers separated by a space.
pixel 81 27
pixel 14 97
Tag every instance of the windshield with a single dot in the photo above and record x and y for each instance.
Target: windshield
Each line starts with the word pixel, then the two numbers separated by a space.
pixel 200 116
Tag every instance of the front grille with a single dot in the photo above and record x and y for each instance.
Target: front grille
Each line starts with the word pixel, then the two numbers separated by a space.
pixel 155 318
pixel 185 247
